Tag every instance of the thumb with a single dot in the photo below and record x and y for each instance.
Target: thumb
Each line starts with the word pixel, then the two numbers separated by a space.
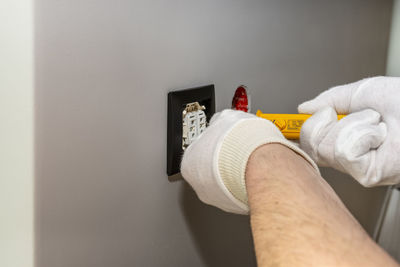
pixel 314 131
pixel 338 98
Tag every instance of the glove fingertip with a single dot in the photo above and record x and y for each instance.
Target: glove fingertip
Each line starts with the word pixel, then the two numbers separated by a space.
pixel 308 107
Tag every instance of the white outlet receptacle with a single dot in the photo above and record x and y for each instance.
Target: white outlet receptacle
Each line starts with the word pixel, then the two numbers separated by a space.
pixel 194 122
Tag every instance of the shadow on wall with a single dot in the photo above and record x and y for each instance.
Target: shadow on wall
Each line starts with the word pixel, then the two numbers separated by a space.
pixel 221 239
pixel 364 203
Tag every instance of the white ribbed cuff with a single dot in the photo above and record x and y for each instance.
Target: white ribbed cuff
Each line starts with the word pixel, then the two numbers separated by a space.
pixel 245 137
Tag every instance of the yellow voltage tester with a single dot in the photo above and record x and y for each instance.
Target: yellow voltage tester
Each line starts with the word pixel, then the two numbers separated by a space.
pixel 289 124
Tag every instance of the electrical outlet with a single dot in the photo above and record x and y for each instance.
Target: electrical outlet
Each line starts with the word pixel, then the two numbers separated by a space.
pixel 193 123
pixel 189 112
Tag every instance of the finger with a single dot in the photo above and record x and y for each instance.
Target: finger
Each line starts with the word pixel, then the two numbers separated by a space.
pixel 356 144
pixel 314 130
pixel 215 117
pixel 338 98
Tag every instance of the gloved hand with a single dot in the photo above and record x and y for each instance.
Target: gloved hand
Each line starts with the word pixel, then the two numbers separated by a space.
pixel 215 164
pixel 364 144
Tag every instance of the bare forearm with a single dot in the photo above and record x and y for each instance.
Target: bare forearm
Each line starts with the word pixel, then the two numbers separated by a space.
pixel 298 220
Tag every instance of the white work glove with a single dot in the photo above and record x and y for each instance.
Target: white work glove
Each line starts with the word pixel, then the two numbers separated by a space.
pixel 215 164
pixel 364 144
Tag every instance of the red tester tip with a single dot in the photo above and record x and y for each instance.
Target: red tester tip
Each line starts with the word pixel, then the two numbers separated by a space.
pixel 240 100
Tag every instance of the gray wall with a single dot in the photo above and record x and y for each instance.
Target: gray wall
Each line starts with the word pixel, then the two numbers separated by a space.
pixel 103 70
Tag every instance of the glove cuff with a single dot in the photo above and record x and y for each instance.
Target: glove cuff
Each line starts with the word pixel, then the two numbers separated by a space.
pixel 245 137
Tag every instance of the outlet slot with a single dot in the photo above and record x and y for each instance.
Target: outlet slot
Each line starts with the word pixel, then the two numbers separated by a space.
pixel 189 111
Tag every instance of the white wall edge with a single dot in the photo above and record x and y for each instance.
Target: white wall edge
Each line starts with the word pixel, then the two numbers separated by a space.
pixel 393 60
pixel 16 134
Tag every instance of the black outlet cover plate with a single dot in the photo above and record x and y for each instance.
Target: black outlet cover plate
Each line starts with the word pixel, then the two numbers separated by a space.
pixel 177 101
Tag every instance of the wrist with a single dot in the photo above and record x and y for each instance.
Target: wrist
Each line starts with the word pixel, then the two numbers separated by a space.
pixel 242 141
pixel 276 161
pixel 275 171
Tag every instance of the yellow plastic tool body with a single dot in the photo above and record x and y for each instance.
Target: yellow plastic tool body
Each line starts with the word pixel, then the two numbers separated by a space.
pixel 289 124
